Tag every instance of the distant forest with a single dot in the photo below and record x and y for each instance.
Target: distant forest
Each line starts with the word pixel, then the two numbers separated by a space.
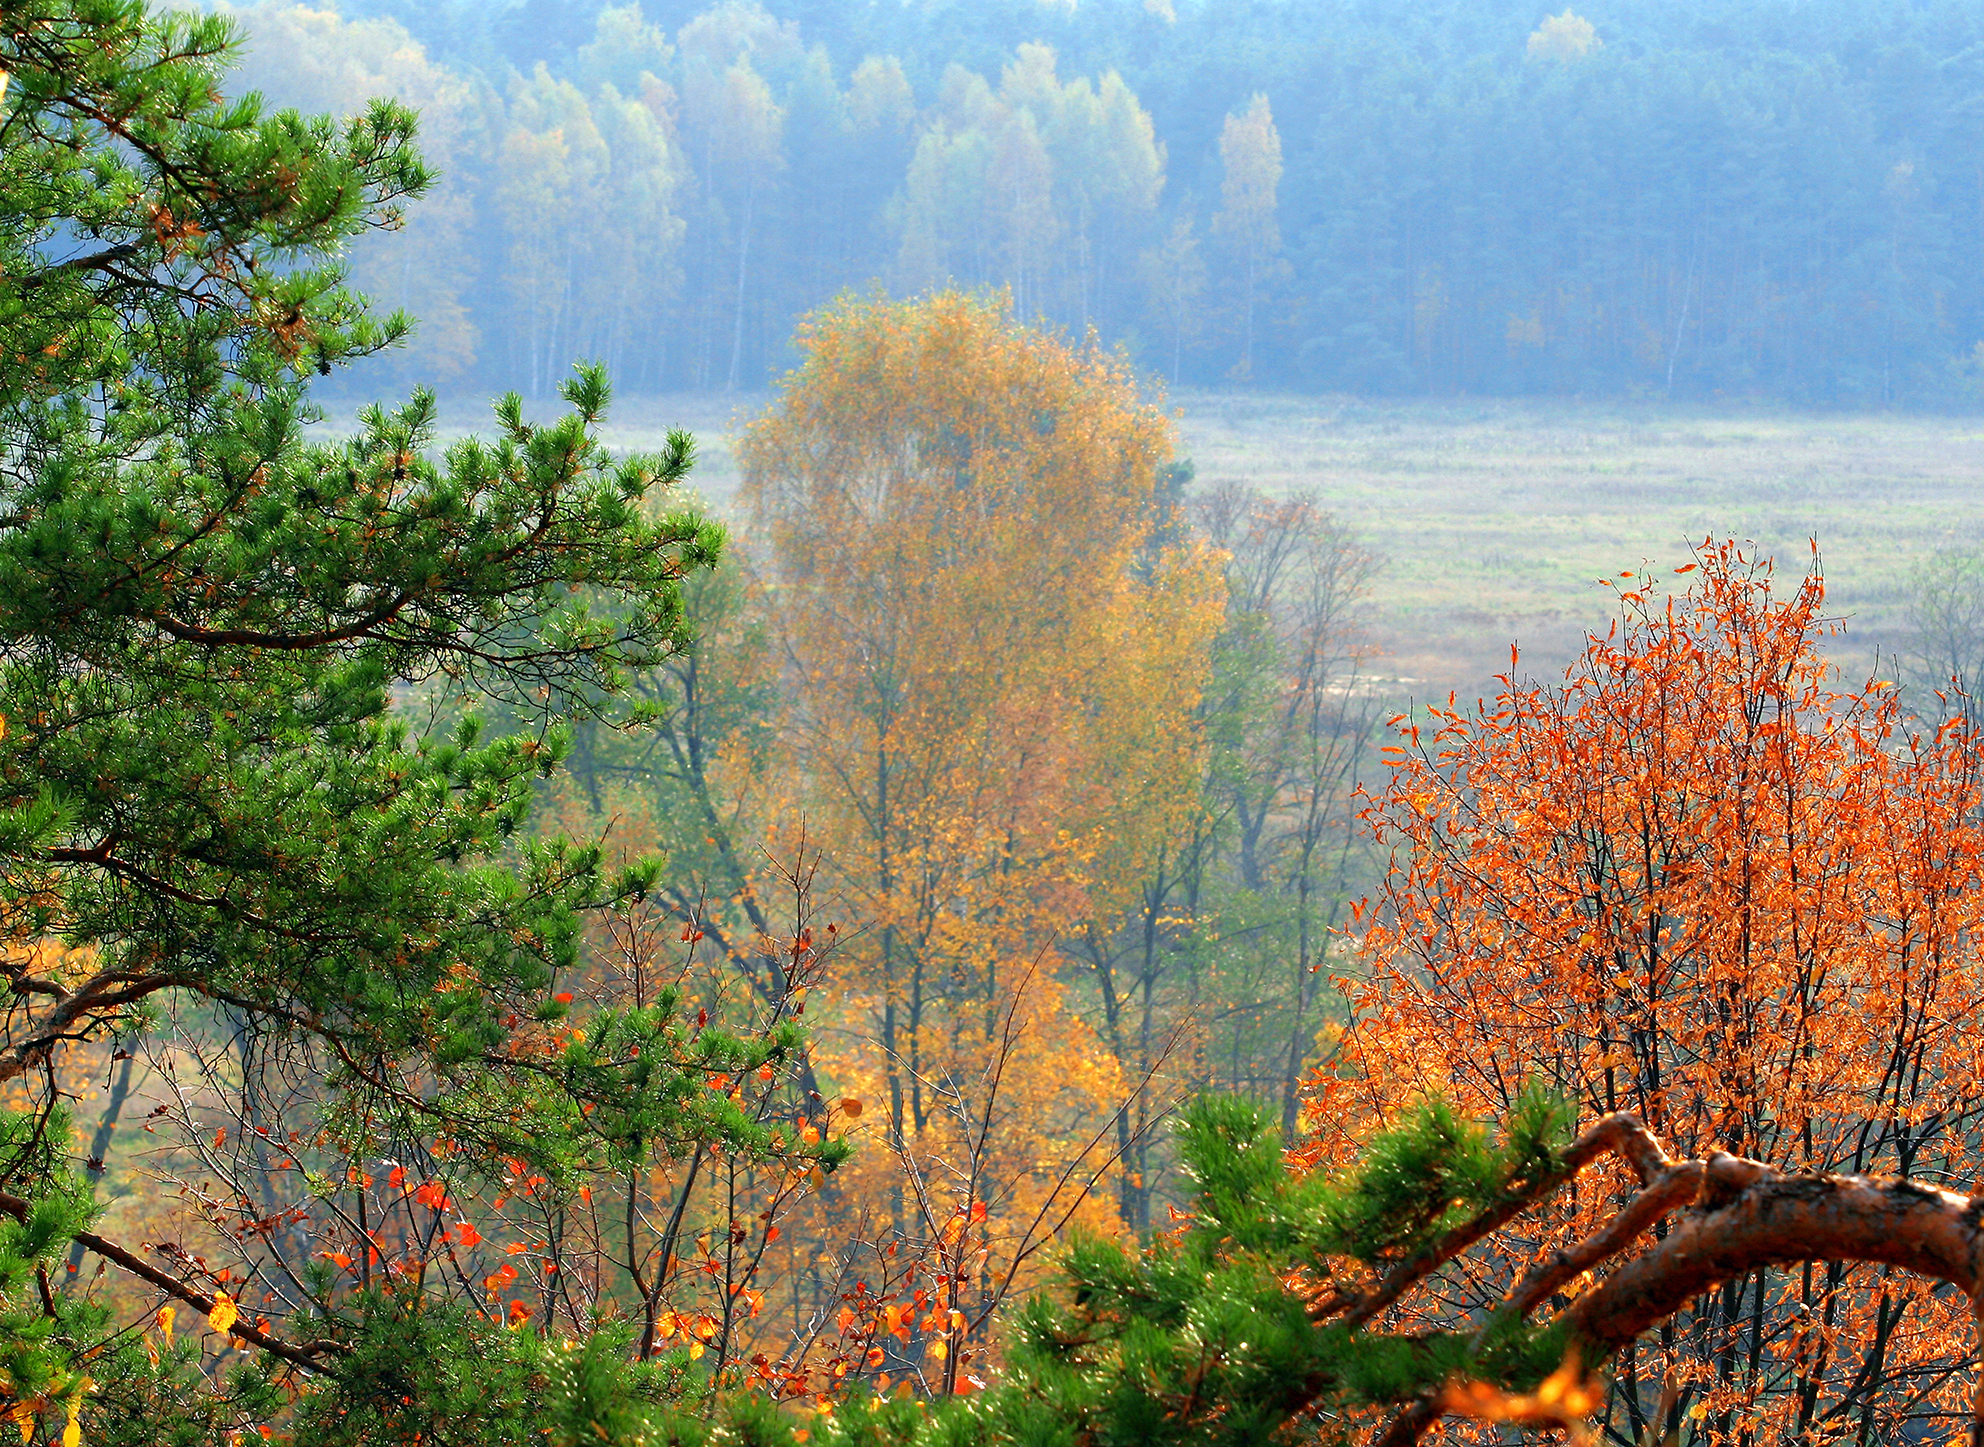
pixel 1688 199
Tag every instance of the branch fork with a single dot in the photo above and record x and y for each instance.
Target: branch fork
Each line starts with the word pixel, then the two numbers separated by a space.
pixel 1729 1216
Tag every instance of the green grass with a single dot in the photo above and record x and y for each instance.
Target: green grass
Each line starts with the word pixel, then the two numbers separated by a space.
pixel 1494 520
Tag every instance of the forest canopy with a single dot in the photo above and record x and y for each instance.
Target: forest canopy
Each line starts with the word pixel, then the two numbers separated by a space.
pixel 1653 199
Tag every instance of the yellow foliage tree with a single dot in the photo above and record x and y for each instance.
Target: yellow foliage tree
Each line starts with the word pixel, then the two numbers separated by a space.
pixel 1250 151
pixel 996 666
pixel 1563 37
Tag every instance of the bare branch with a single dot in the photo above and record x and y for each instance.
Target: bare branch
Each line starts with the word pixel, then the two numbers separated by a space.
pixel 305 1356
pixel 1754 1217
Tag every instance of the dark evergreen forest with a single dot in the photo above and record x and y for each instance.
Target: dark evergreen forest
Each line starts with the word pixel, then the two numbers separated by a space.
pixel 1778 199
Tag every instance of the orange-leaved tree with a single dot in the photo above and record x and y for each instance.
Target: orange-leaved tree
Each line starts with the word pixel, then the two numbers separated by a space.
pixel 1702 882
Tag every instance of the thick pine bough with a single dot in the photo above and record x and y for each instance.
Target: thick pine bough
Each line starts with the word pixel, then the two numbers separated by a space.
pixel 1731 1216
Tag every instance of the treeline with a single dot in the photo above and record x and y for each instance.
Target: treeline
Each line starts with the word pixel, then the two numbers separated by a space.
pixel 1655 200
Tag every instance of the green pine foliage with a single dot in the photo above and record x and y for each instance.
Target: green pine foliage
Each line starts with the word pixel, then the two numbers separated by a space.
pixel 212 791
pixel 421 1373
pixel 204 614
pixel 34 1361
pixel 1212 1334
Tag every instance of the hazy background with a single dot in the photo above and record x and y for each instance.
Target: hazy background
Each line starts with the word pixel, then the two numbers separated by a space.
pixel 1527 296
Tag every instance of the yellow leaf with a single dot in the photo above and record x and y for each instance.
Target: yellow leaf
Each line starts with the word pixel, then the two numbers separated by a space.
pixel 72 1435
pixel 165 1318
pixel 1559 1384
pixel 224 1313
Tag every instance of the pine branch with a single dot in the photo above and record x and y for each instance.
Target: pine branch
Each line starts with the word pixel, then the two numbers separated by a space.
pixel 1739 1216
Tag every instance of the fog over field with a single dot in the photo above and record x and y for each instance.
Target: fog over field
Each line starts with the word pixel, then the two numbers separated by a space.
pixel 1493 520
pixel 1526 298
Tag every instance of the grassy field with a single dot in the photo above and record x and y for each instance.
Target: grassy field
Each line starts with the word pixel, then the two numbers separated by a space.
pixel 1493 520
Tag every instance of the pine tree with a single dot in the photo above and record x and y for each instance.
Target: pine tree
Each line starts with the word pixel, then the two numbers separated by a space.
pixel 213 802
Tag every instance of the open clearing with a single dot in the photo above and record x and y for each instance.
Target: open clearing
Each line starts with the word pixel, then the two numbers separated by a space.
pixel 1495 519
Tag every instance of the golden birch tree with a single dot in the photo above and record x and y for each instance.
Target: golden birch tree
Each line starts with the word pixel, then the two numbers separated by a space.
pixel 953 505
pixel 1250 152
